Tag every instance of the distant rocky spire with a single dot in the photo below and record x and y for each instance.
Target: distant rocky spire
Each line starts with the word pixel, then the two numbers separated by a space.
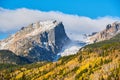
pixel 110 31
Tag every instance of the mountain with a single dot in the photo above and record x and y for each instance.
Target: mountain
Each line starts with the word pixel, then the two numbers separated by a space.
pixel 110 31
pixel 38 41
pixel 98 61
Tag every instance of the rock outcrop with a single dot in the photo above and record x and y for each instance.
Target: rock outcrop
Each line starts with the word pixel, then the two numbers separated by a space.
pixel 38 41
pixel 110 31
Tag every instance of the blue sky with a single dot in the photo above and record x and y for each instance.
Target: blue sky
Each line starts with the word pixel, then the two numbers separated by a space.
pixel 89 8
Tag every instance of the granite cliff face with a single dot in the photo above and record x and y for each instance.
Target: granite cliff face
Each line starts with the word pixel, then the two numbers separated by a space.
pixel 38 41
pixel 110 31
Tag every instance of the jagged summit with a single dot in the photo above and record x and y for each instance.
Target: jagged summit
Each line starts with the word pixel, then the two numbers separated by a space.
pixel 44 25
pixel 110 31
pixel 38 27
pixel 37 41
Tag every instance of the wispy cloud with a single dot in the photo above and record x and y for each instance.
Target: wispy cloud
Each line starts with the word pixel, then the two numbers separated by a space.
pixel 11 20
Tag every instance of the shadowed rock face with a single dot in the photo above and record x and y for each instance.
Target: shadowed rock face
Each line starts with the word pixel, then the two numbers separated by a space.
pixel 110 31
pixel 38 41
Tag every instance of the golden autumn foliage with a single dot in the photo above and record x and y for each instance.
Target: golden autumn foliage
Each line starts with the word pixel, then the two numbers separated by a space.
pixel 99 61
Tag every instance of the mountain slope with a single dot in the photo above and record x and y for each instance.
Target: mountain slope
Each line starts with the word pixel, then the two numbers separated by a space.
pixel 10 58
pixel 38 41
pixel 99 61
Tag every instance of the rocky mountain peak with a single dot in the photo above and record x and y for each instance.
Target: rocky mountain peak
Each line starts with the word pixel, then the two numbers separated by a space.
pixel 110 31
pixel 38 41
pixel 113 28
pixel 38 27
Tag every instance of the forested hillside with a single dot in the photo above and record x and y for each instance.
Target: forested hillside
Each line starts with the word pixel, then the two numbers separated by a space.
pixel 98 61
pixel 9 57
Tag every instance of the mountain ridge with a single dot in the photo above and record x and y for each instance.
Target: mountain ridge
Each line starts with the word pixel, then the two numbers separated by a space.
pixel 110 31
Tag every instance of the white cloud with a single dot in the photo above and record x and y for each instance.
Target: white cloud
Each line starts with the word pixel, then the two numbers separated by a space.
pixel 11 20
